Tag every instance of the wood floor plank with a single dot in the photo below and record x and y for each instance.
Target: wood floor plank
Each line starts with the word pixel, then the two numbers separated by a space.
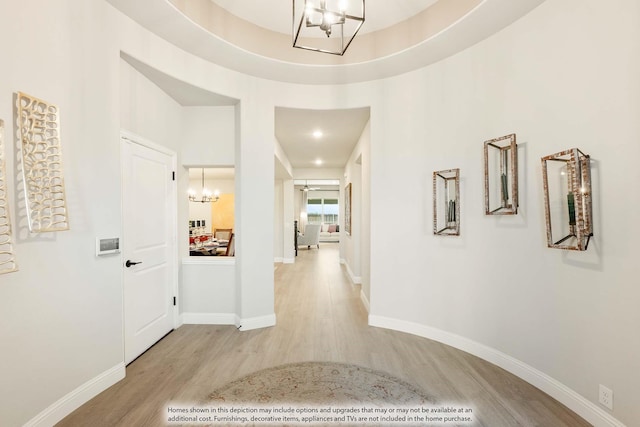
pixel 319 317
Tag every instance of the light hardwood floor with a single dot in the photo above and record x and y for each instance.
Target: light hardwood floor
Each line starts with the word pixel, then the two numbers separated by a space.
pixel 320 317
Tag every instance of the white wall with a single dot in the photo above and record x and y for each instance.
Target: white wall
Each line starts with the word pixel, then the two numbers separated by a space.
pixel 283 244
pixel 208 291
pixel 278 224
pixel 355 173
pixel 557 85
pixel 564 76
pixel 364 147
pixel 147 111
pixel 208 137
pixel 60 315
pixel 64 299
pixel 284 208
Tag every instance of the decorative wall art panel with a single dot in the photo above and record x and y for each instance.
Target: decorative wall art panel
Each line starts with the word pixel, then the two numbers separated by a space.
pixel 7 257
pixel 446 202
pixel 39 136
pixel 501 176
pixel 567 199
pixel 347 209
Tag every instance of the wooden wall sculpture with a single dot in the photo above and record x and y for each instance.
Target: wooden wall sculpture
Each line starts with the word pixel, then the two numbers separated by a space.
pixel 7 257
pixel 39 136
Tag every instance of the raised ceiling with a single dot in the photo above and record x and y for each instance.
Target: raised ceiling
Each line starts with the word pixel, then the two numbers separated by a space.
pixel 428 31
pixel 254 37
pixel 276 15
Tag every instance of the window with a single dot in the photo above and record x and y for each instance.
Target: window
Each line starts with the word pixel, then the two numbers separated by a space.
pixel 314 211
pixel 322 211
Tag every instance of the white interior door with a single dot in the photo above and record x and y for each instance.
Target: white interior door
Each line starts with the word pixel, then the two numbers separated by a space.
pixel 148 244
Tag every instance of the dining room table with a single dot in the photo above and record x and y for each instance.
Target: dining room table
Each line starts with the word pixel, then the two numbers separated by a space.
pixel 206 246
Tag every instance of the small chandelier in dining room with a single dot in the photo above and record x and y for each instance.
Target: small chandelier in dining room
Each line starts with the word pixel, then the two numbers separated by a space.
pixel 206 196
pixel 327 26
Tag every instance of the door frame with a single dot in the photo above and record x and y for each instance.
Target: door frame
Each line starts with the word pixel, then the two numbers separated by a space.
pixel 130 137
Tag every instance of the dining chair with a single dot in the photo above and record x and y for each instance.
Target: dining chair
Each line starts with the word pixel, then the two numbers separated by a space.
pixel 231 246
pixel 229 250
pixel 223 233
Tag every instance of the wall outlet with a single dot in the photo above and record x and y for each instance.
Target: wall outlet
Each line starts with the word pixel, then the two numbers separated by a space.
pixel 605 397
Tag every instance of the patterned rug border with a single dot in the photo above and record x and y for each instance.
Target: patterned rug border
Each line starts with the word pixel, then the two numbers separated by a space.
pixel 418 391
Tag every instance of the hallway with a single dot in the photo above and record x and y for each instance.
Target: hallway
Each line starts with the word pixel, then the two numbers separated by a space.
pixel 319 317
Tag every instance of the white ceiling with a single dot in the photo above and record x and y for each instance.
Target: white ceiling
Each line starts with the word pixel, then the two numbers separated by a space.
pixel 276 15
pixel 317 182
pixel 341 131
pixel 183 93
pixel 163 18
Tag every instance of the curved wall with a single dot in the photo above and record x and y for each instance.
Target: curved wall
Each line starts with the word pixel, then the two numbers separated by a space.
pixel 496 290
pixel 570 319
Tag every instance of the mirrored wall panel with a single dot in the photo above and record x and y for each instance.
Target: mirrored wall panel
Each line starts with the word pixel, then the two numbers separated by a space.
pixel 567 198
pixel 446 202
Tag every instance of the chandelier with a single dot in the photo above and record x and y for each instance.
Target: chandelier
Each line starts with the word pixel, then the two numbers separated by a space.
pixel 338 21
pixel 206 197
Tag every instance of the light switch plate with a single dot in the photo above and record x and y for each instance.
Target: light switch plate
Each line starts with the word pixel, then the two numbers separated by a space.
pixel 108 245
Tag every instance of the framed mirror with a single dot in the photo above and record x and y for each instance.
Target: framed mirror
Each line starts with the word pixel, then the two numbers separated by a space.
pixel 501 176
pixel 567 199
pixel 446 202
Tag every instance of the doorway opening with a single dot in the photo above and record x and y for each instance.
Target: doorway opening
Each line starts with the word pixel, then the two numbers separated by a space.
pixel 211 211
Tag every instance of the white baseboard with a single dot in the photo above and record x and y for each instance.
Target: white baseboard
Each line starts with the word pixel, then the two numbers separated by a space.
pixel 574 401
pixel 365 301
pixel 208 318
pixel 288 260
pixel 355 279
pixel 76 398
pixel 278 259
pixel 255 322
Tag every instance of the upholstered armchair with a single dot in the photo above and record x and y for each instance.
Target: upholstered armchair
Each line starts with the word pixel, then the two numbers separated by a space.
pixel 310 237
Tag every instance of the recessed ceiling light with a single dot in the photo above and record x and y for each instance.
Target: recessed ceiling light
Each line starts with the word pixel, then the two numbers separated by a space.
pixel 318 162
pixel 317 134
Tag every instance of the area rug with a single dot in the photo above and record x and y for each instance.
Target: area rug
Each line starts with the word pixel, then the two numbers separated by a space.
pixel 321 383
